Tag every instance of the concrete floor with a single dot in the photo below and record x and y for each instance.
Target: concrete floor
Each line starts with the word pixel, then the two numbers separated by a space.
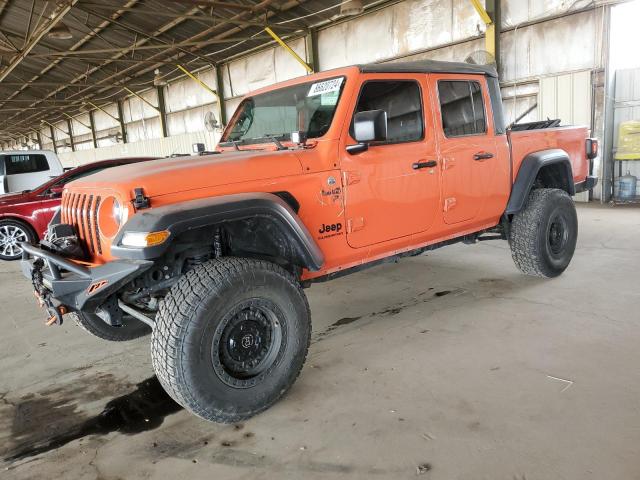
pixel 445 366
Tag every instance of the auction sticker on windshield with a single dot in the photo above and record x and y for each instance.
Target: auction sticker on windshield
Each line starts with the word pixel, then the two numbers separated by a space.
pixel 328 86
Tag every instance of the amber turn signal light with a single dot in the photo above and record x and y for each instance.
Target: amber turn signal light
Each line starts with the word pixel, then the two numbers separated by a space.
pixel 144 239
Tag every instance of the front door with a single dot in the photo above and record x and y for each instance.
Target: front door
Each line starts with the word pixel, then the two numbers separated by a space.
pixel 466 144
pixel 391 189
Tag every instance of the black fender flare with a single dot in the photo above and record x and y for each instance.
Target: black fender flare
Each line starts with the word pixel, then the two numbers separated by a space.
pixel 528 172
pixel 181 217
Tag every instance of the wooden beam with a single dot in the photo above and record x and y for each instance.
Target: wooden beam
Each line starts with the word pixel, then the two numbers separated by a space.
pixel 56 16
pixel 216 3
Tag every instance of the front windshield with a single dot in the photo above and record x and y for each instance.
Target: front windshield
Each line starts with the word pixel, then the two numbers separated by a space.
pixel 308 107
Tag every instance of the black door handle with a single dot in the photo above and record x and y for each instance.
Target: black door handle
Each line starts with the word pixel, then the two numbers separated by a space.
pixel 429 164
pixel 483 156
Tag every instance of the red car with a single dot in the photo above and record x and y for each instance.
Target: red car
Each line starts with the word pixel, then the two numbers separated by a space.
pixel 25 216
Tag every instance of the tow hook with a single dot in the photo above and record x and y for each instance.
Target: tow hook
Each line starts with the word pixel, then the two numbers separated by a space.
pixel 56 315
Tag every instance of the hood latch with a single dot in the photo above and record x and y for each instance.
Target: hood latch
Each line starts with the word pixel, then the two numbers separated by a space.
pixel 140 201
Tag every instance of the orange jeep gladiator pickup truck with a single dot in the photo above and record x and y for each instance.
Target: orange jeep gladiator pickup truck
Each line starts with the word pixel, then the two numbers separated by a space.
pixel 314 178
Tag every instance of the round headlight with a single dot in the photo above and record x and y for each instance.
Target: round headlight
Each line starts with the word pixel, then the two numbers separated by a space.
pixel 119 212
pixel 111 216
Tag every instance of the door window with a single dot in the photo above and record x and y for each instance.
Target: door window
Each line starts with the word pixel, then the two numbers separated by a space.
pixel 462 108
pixel 403 104
pixel 25 163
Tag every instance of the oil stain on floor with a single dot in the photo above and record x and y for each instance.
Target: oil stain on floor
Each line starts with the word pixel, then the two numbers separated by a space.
pixel 143 409
pixel 423 297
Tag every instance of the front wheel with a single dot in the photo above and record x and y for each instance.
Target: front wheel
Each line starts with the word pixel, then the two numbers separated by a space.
pixel 129 330
pixel 12 234
pixel 231 338
pixel 543 236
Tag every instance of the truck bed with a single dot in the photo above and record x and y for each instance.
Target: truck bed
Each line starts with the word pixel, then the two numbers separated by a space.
pixel 569 139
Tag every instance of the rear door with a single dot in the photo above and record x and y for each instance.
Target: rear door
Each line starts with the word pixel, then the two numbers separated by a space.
pixel 391 189
pixel 467 149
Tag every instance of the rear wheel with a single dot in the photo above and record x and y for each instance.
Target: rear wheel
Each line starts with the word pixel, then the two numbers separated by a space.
pixel 12 233
pixel 231 338
pixel 130 329
pixel 543 236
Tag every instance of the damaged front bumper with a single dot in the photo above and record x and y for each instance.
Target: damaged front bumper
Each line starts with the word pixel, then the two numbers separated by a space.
pixel 63 286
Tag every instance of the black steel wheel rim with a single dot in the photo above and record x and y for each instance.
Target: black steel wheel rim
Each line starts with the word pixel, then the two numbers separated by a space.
pixel 248 342
pixel 558 234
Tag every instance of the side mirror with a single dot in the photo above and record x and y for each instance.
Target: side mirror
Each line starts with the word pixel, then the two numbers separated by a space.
pixel 57 189
pixel 370 126
pixel 299 137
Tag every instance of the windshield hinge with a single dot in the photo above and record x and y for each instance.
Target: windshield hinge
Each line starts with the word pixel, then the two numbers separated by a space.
pixel 140 201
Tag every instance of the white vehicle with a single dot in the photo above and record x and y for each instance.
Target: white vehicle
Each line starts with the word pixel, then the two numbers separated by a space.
pixel 26 169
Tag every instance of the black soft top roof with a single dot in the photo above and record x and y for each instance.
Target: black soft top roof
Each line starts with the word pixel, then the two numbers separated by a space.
pixel 429 66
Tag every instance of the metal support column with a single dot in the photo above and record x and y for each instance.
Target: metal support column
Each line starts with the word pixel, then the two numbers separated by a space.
pixel 312 49
pixel 220 90
pixel 39 137
pixel 53 138
pixel 70 128
pixel 123 128
pixel 162 110
pixel 92 124
pixel 494 30
pixel 492 18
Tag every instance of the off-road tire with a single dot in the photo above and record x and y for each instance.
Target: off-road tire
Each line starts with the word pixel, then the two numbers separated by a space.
pixel 130 329
pixel 188 347
pixel 537 247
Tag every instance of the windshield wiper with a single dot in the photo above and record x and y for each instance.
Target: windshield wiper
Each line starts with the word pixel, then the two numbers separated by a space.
pixel 232 142
pixel 273 138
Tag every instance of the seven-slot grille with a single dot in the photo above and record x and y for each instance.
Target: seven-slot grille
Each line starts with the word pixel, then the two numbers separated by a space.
pixel 81 211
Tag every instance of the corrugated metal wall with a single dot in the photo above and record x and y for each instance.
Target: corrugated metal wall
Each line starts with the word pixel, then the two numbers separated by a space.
pixel 410 30
pixel 567 97
pixel 161 147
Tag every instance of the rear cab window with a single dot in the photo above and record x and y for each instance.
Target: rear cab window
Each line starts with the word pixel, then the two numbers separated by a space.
pixel 17 164
pixel 402 101
pixel 462 108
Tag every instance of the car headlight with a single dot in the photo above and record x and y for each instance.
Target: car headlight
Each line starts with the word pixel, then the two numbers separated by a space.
pixel 144 239
pixel 119 212
pixel 111 216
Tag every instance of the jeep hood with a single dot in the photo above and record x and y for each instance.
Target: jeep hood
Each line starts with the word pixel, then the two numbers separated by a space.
pixel 178 174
